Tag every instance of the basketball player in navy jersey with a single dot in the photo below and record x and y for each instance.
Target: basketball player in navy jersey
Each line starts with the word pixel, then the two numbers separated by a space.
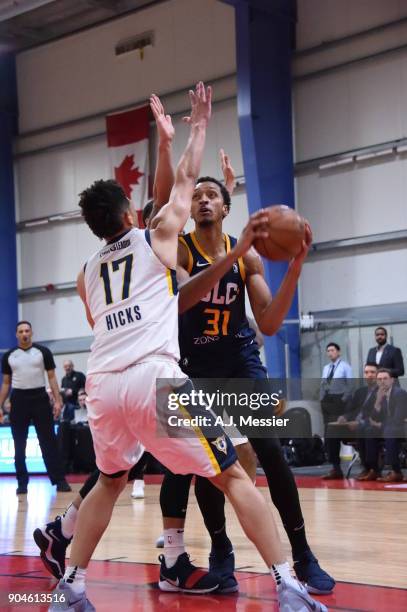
pixel 216 341
pixel 134 319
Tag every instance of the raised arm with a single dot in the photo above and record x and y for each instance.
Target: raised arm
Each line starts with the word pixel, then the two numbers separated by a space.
pixel 227 171
pixel 270 312
pixel 171 219
pixel 164 172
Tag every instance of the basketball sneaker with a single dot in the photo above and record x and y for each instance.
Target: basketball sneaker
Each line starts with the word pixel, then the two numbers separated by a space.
pixel 185 577
pixel 63 598
pixel 52 545
pixel 138 489
pixel 315 579
pixel 222 564
pixel 159 543
pixel 295 598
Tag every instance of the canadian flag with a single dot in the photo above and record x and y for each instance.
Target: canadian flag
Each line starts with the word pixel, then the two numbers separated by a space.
pixel 127 139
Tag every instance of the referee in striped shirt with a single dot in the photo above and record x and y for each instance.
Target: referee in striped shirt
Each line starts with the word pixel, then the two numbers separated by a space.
pixel 23 368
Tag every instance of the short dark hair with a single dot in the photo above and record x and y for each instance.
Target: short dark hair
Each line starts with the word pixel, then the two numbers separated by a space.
pixel 103 205
pixel 371 364
pixel 23 323
pixel 338 348
pixel 82 391
pixel 387 371
pixel 146 212
pixel 225 193
pixel 382 328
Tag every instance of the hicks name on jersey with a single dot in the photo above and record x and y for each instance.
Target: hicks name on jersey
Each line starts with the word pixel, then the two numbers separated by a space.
pixel 123 317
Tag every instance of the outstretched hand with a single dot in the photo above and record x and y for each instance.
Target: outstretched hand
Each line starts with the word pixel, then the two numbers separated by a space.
pixel 257 227
pixel 163 122
pixel 201 105
pixel 227 171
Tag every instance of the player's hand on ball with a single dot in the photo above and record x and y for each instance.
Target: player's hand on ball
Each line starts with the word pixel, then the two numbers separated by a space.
pixel 299 259
pixel 255 228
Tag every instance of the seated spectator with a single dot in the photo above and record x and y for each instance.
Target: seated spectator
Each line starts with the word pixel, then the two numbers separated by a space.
pixel 388 417
pixel 71 383
pixel 354 423
pixel 65 435
pixel 6 412
pixel 81 413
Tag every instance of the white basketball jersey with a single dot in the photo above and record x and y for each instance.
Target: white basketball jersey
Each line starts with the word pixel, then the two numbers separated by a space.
pixel 132 298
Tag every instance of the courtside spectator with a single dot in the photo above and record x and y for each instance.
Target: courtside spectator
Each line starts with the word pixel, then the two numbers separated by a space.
pixel 336 384
pixel 386 355
pixel 353 423
pixel 71 383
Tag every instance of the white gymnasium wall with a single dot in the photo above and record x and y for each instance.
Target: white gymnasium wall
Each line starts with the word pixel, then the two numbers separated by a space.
pixel 79 76
pixel 355 106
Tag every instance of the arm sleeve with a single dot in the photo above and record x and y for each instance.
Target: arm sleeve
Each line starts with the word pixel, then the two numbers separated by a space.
pixel 49 363
pixel 5 366
pixel 398 363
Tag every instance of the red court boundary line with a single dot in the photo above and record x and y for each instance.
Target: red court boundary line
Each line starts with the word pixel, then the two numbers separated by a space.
pixel 121 582
pixel 303 482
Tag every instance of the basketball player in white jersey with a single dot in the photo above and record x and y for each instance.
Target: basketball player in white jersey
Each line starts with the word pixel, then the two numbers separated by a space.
pixel 130 300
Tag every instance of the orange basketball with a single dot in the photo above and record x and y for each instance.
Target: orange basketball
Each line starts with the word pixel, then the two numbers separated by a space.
pixel 286 234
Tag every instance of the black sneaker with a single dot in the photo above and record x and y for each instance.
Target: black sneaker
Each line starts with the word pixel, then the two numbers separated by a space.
pixel 185 577
pixel 315 579
pixel 52 545
pixel 63 486
pixel 222 563
pixel 21 490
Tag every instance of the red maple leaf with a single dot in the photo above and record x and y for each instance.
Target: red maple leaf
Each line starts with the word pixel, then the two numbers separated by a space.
pixel 127 175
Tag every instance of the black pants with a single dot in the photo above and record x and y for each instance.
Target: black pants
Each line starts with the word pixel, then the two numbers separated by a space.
pixel 332 406
pixel 392 446
pixel 32 405
pixel 66 445
pixel 283 491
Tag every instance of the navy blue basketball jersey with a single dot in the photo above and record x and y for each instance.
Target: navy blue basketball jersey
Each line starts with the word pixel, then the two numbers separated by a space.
pixel 216 328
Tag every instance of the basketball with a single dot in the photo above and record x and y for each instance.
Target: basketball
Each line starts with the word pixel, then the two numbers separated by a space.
pixel 286 234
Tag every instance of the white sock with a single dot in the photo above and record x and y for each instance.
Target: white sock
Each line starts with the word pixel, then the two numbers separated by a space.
pixel 173 545
pixel 68 521
pixel 75 577
pixel 281 571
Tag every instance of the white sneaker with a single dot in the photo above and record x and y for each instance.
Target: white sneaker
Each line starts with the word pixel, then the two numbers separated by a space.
pixel 295 598
pixel 159 543
pixel 63 598
pixel 138 489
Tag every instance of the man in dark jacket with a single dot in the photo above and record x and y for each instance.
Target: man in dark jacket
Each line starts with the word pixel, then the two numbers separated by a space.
pixel 391 404
pixel 71 383
pixel 352 424
pixel 386 355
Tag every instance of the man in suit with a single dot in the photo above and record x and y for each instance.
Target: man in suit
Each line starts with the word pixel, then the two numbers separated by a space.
pixel 386 355
pixel 352 424
pixel 390 411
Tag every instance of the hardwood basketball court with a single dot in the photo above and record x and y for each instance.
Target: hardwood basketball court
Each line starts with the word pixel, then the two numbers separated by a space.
pixel 358 533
